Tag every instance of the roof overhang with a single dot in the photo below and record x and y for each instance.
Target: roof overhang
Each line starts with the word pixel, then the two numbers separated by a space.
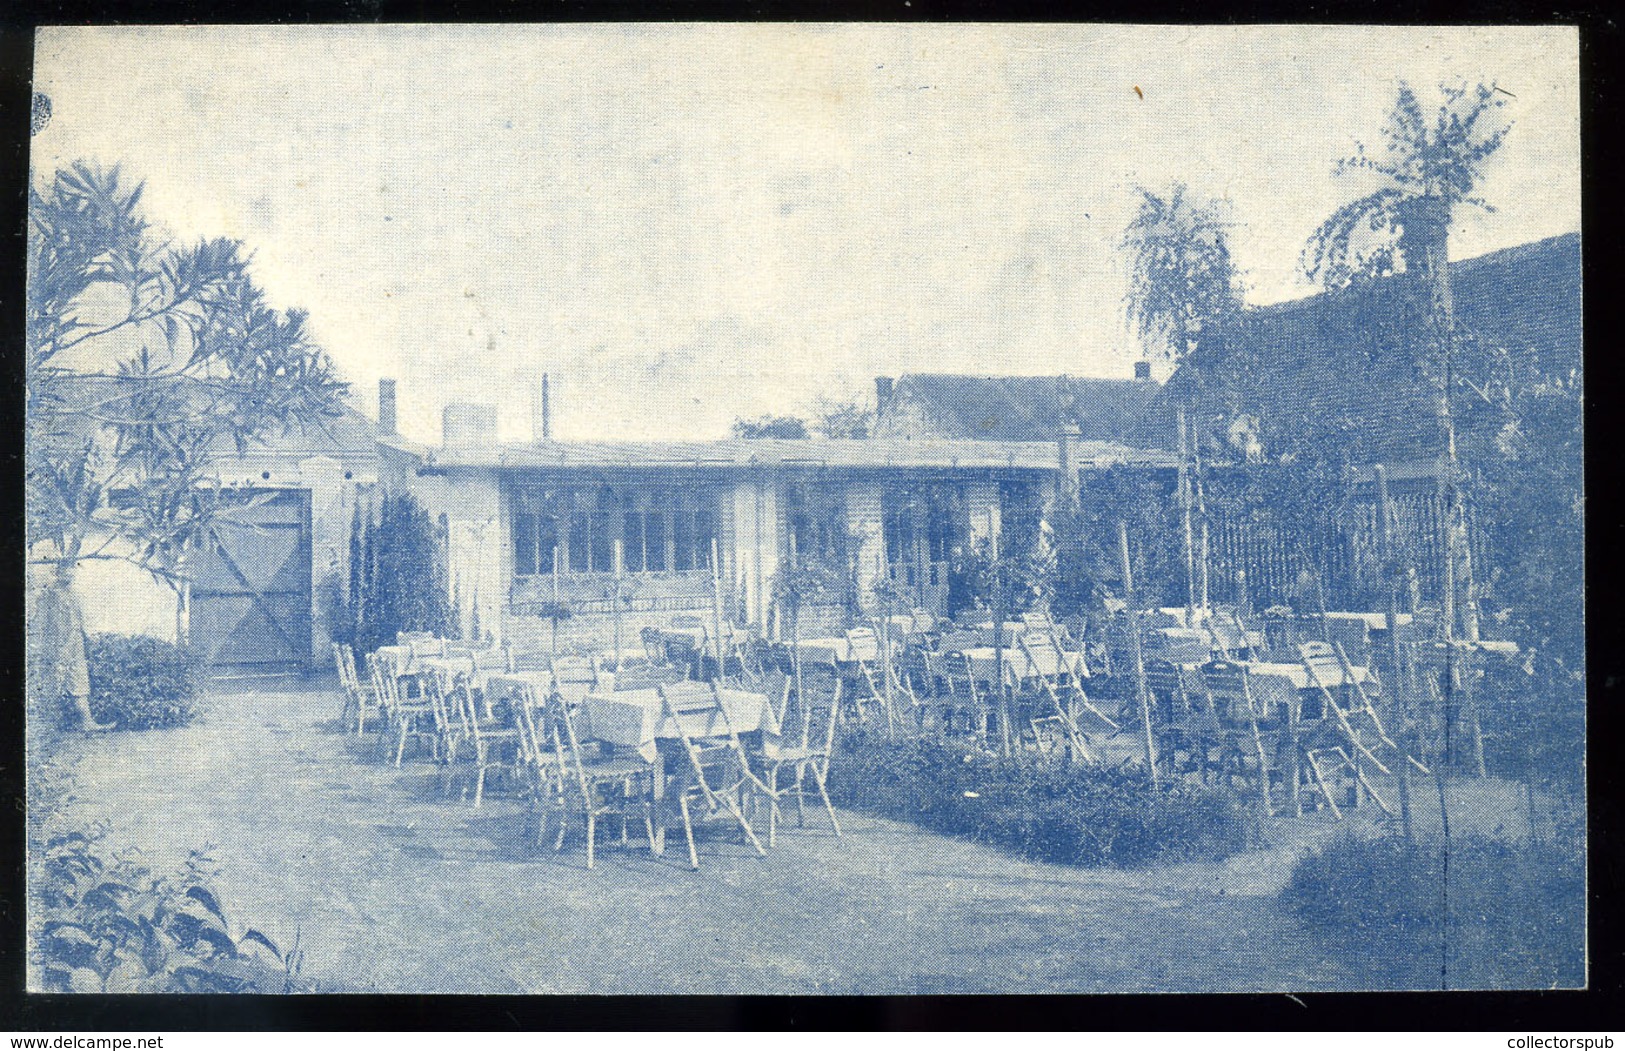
pixel 843 454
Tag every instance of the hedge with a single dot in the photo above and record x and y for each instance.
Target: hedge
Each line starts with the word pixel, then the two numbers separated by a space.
pixel 1041 809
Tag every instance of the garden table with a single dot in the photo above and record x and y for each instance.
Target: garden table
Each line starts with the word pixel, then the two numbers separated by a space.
pixel 1019 664
pixel 636 719
pixel 837 650
pixel 541 682
pixel 1274 684
pixel 1373 621
pixel 699 637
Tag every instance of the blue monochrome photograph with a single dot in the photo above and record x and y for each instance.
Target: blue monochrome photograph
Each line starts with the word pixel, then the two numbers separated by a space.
pixel 804 509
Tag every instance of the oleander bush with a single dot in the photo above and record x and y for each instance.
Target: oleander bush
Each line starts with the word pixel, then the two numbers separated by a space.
pixel 1487 913
pixel 104 923
pixel 1042 809
pixel 142 683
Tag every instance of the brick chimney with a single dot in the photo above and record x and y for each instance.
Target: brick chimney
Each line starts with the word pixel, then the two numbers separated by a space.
pixel 882 393
pixel 386 407
pixel 541 412
pixel 1142 370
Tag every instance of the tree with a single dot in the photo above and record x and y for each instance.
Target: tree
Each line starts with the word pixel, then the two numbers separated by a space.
pixel 1184 294
pixel 843 419
pixel 771 427
pixel 1183 285
pixel 1427 170
pixel 147 364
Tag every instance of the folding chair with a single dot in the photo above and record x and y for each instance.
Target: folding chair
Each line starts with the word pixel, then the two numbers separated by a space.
pixel 1185 725
pixel 863 646
pixel 357 695
pixel 1230 696
pixel 595 783
pixel 1041 653
pixel 718 771
pixel 495 735
pixel 808 757
pixel 412 718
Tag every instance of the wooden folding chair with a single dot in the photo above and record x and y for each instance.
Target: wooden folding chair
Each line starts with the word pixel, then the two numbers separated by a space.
pixel 358 696
pixel 1229 694
pixel 495 737
pixel 1041 653
pixel 1183 723
pixel 806 756
pixel 863 646
pixel 718 770
pixel 408 718
pixel 594 783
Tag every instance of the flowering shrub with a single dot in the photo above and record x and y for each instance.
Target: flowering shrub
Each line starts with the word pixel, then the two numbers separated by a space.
pixel 142 683
pixel 1073 815
pixel 106 924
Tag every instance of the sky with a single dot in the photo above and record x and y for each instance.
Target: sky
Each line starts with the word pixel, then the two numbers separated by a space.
pixel 686 224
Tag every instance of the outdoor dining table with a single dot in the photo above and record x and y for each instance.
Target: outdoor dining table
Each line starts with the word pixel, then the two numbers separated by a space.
pixel 1275 684
pixel 699 636
pixel 1373 621
pixel 1019 664
pixel 638 720
pixel 541 682
pixel 838 650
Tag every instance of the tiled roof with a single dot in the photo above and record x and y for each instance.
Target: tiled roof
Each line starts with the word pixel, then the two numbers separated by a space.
pixel 1021 408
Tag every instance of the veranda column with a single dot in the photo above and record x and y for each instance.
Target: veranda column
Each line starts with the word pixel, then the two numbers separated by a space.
pixel 479 557
pixel 864 527
pixel 756 547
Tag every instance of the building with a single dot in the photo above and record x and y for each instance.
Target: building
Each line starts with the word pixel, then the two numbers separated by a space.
pixel 253 600
pixel 654 528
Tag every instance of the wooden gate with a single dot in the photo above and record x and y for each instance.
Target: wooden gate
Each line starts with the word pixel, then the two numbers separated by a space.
pixel 251 591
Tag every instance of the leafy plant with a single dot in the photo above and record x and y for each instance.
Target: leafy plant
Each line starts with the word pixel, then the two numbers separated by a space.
pixel 142 683
pixel 1073 815
pixel 106 924
pixel 146 364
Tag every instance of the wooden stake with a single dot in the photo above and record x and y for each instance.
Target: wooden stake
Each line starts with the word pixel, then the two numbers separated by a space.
pixel 1185 515
pixel 1385 550
pixel 716 604
pixel 1139 652
pixel 615 602
pixel 998 634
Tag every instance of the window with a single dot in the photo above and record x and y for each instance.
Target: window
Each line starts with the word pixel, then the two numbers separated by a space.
pixel 815 520
pixel 927 515
pixel 659 529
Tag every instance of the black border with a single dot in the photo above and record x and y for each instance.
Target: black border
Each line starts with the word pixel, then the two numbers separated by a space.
pixel 1596 1008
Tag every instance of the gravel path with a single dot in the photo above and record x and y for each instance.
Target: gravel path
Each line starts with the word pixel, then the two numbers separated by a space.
pixel 394 888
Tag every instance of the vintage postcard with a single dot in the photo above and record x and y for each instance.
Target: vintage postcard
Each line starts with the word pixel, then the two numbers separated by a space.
pixel 849 509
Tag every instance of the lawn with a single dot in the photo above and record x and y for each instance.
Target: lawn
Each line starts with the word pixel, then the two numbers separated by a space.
pixel 394 888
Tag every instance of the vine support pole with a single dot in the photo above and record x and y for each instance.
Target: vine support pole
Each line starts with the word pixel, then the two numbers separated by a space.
pixel 1402 694
pixel 1185 516
pixel 1139 652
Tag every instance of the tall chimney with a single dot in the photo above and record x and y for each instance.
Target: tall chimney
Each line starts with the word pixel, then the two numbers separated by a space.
pixel 386 406
pixel 1142 370
pixel 882 392
pixel 541 419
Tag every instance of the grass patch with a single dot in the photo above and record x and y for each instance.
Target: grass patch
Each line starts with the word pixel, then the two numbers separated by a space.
pixel 1487 914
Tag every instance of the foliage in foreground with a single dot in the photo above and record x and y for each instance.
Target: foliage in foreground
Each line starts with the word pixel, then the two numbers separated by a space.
pixel 1047 811
pixel 1487 914
pixel 103 923
pixel 142 683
